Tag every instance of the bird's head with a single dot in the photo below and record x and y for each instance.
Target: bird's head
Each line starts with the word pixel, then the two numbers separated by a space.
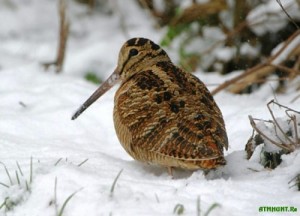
pixel 135 55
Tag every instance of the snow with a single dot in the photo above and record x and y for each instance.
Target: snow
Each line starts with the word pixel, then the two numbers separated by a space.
pixel 247 49
pixel 37 105
pixel 268 16
pixel 225 53
pixel 287 51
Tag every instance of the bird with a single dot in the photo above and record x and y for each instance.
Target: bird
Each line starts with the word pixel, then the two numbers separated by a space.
pixel 162 114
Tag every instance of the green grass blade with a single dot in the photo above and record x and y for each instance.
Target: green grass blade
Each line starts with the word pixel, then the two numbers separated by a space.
pixel 17 177
pixel 198 206
pixel 57 162
pixel 92 77
pixel 61 211
pixel 30 177
pixel 212 207
pixel 178 209
pixel 4 203
pixel 82 162
pixel 27 185
pixel 55 196
pixel 8 175
pixel 157 199
pixel 114 183
pixel 20 170
pixel 5 185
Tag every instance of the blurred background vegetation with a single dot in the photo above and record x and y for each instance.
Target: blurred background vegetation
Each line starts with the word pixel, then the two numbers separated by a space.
pixel 224 35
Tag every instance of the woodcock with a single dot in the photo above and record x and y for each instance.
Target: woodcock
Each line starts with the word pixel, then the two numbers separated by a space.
pixel 162 114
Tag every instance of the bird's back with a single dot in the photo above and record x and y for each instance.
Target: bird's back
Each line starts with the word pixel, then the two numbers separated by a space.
pixel 166 116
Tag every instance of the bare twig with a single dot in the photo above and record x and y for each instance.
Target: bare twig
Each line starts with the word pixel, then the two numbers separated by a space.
pixel 64 27
pixel 287 108
pixel 294 120
pixel 199 10
pixel 292 71
pixel 262 69
pixel 292 140
pixel 253 124
pixel 63 36
pixel 297 64
pixel 287 14
pixel 238 28
pixel 256 81
pixel 276 123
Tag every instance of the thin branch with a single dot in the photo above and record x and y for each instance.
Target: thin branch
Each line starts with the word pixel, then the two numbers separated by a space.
pixel 292 71
pixel 276 123
pixel 258 70
pixel 294 120
pixel 253 124
pixel 255 81
pixel 290 18
pixel 230 34
pixel 239 77
pixel 63 36
pixel 297 64
pixel 64 27
pixel 288 108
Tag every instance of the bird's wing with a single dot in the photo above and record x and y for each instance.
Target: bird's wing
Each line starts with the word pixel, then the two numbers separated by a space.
pixel 172 113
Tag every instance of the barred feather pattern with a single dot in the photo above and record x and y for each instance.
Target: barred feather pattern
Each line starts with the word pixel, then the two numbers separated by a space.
pixel 164 115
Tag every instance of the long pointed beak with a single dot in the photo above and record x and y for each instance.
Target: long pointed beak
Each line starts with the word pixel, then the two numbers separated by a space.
pixel 114 77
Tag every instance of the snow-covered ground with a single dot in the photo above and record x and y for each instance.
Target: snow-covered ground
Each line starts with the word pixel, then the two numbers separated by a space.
pixel 35 121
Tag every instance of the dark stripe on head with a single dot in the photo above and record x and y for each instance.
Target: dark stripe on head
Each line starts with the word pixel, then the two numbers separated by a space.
pixel 145 56
pixel 141 41
pixel 162 52
pixel 132 41
pixel 125 63
pixel 154 46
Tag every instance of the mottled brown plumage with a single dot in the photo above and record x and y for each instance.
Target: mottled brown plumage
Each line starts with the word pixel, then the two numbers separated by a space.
pixel 162 114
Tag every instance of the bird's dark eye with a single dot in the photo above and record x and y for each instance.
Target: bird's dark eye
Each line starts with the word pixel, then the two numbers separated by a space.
pixel 133 52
